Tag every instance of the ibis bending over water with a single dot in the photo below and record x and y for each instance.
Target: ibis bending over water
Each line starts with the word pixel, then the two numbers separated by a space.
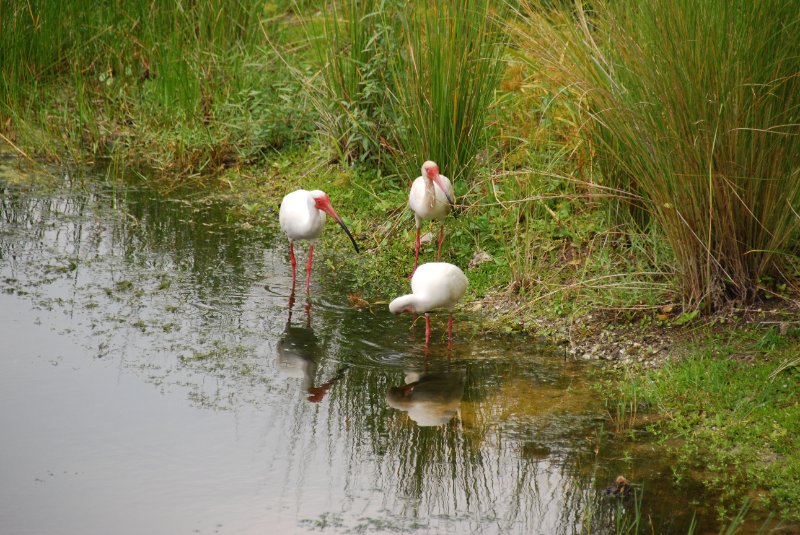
pixel 302 217
pixel 431 197
pixel 434 285
pixel 429 398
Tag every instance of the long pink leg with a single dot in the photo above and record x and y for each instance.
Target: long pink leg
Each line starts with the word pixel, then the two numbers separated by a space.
pixel 294 263
pixel 441 237
pixel 308 266
pixel 427 329
pixel 450 331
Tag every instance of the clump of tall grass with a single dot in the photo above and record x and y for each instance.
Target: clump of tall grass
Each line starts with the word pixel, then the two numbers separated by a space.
pixel 353 100
pixel 409 82
pixel 187 82
pixel 180 49
pixel 444 83
pixel 694 106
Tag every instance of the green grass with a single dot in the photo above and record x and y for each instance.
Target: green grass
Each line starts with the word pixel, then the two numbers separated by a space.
pixel 444 83
pixel 692 108
pixel 534 163
pixel 186 90
pixel 353 87
pixel 402 85
pixel 733 406
pixel 232 106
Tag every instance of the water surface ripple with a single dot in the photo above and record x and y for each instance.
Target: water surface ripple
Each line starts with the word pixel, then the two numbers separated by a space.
pixel 158 375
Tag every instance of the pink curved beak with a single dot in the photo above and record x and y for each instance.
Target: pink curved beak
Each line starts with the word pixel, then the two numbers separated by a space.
pixel 433 174
pixel 324 204
pixel 444 190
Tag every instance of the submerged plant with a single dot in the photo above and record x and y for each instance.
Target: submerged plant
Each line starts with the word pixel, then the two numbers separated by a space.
pixel 693 106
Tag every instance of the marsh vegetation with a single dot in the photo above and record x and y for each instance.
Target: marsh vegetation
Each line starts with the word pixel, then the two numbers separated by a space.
pixel 615 164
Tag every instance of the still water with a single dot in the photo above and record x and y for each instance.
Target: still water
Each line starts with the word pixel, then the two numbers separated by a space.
pixel 157 375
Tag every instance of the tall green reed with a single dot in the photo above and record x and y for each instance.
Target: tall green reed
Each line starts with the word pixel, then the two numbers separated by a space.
pixel 353 100
pixel 694 106
pixel 444 82
pixel 180 53
pixel 406 83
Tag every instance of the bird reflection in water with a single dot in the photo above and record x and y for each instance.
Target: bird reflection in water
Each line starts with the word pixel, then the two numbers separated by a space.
pixel 299 354
pixel 429 398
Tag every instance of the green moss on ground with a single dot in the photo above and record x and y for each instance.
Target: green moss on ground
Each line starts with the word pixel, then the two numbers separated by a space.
pixel 729 405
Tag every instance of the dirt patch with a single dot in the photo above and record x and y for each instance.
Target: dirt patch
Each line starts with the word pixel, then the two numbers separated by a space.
pixel 622 338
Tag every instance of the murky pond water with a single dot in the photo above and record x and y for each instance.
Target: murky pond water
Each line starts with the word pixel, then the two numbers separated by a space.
pixel 158 376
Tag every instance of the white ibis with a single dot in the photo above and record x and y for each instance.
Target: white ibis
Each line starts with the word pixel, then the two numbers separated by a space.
pixel 431 197
pixel 433 285
pixel 302 217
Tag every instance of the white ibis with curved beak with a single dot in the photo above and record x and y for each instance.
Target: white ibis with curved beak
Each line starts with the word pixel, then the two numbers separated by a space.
pixel 302 217
pixel 431 197
pixel 434 285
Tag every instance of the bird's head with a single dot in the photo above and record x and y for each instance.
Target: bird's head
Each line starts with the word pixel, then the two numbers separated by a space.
pixel 430 170
pixel 323 202
pixel 404 303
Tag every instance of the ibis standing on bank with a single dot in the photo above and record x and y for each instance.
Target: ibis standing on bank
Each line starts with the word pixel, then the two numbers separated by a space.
pixel 302 217
pixel 433 285
pixel 431 198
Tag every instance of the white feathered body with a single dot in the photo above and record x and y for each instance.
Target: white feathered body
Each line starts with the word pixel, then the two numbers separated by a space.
pixel 434 285
pixel 299 217
pixel 428 201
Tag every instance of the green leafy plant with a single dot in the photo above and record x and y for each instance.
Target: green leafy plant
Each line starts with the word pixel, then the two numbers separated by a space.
pixel 353 100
